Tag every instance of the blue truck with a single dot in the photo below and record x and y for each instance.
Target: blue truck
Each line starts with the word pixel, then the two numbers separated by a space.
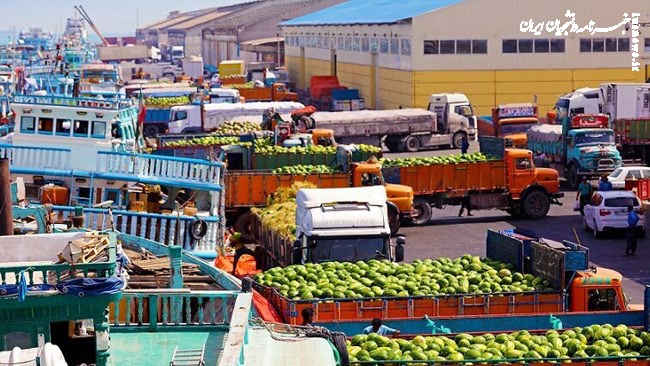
pixel 582 145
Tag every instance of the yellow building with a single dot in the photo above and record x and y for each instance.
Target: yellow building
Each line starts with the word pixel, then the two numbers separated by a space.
pixel 399 53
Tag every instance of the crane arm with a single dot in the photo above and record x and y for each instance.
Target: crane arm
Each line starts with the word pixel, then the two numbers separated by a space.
pixel 86 17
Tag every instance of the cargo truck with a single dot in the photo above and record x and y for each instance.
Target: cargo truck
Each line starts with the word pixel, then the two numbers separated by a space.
pixel 511 121
pixel 628 108
pixel 206 117
pixel 455 117
pixel 335 224
pixel 576 287
pixel 277 92
pixel 509 182
pixel 250 188
pixel 582 146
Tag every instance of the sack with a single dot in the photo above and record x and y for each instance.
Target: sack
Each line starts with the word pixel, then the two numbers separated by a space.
pixel 576 205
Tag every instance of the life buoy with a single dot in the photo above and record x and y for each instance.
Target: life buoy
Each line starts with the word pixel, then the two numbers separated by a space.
pixel 198 228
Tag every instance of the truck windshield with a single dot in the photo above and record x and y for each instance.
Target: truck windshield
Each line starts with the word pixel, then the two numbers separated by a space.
pixel 509 129
pixel 599 138
pixel 464 110
pixel 179 115
pixel 349 249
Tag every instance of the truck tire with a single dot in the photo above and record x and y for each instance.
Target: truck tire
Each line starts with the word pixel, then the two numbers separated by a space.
pixel 151 131
pixel 458 139
pixel 392 147
pixel 411 144
pixel 244 224
pixel 393 220
pixel 573 179
pixel 423 209
pixel 514 212
pixel 536 205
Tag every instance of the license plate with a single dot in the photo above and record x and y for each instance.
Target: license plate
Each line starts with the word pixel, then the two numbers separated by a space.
pixel 620 213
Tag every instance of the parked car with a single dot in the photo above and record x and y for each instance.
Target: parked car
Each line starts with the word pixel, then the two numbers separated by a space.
pixel 608 211
pixel 618 176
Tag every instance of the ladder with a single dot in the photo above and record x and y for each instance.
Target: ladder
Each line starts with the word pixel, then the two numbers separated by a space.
pixel 190 357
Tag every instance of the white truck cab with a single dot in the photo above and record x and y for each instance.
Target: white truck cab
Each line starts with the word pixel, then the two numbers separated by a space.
pixel 343 224
pixel 222 95
pixel 455 116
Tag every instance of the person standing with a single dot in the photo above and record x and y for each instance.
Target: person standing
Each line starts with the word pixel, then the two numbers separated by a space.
pixel 583 194
pixel 464 145
pixel 630 237
pixel 377 327
pixel 604 184
pixel 465 204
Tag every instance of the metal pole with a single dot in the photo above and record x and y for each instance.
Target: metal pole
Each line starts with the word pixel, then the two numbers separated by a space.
pixel 6 219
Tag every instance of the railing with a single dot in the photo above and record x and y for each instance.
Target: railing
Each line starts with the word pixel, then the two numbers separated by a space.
pixel 73 102
pixel 236 343
pixel 156 227
pixel 30 157
pixel 161 308
pixel 159 167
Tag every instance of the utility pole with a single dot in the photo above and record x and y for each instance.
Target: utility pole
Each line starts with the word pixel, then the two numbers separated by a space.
pixel 6 219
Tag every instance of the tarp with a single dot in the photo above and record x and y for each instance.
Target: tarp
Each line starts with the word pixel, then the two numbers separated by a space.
pixel 91 286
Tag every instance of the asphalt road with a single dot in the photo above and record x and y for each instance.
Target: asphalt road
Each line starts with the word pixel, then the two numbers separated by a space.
pixel 450 236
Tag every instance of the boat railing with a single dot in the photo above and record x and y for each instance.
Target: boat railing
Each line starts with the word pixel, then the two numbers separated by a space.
pixel 162 167
pixel 162 308
pixel 31 157
pixel 95 103
pixel 167 229
pixel 236 343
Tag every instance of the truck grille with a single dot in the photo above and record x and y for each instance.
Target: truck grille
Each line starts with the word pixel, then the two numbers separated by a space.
pixel 606 164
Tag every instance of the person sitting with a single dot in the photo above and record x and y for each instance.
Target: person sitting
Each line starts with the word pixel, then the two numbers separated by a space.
pixel 307 317
pixel 377 327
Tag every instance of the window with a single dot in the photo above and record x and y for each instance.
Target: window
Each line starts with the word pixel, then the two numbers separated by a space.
pixel 646 44
pixel 585 45
pixel 405 47
pixel 45 126
pixel 447 47
pixel 80 128
pixel 326 42
pixel 348 44
pixel 63 127
pixel 602 300
pixel 98 130
pixel 479 46
pixel 557 46
pixel 394 46
pixel 623 201
pixel 383 45
pixel 542 46
pixel 374 45
pixel 509 46
pixel 597 45
pixel 431 48
pixel 27 124
pixel 633 174
pixel 365 45
pixel 180 115
pixel 370 179
pixel 356 44
pixel 616 173
pixel 464 47
pixel 623 45
pixel 525 46
pixel 523 164
pixel 340 43
pixel 611 44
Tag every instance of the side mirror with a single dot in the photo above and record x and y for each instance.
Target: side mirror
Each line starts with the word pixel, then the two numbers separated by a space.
pixel 399 248
pixel 401 240
pixel 296 253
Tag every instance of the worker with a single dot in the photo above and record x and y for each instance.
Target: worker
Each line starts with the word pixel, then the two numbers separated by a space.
pixel 583 194
pixel 236 241
pixel 267 119
pixel 605 185
pixel 380 329
pixel 630 237
pixel 464 146
pixel 464 204
pixel 307 317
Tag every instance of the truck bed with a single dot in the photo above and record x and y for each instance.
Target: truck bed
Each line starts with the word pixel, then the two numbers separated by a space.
pixel 256 94
pixel 454 179
pixel 253 187
pixel 632 131
pixel 376 123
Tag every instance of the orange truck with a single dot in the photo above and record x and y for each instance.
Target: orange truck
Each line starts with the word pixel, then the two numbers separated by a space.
pixel 508 182
pixel 572 286
pixel 278 92
pixel 251 188
pixel 510 121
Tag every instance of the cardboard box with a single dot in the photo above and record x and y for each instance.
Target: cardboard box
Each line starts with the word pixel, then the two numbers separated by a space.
pixel 137 206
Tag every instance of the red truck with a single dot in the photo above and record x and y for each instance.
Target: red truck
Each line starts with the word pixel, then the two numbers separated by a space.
pixel 510 121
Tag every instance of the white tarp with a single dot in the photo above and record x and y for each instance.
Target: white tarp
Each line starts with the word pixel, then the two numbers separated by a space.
pixel 546 133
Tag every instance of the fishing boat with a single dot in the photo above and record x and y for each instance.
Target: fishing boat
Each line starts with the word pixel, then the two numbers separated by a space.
pixel 84 152
pixel 100 80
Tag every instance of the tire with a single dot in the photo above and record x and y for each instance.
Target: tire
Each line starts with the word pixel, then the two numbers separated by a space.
pixel 392 147
pixel 151 131
pixel 573 179
pixel 198 228
pixel 411 144
pixel 514 212
pixel 393 220
pixel 597 233
pixel 244 224
pixel 457 139
pixel 424 210
pixel 536 205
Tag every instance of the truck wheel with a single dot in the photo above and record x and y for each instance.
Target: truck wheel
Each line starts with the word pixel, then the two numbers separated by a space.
pixel 151 131
pixel 393 220
pixel 514 212
pixel 423 210
pixel 244 224
pixel 392 147
pixel 573 178
pixel 458 139
pixel 411 144
pixel 536 205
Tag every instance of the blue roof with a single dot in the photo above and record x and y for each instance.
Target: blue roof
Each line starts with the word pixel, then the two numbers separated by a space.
pixel 370 12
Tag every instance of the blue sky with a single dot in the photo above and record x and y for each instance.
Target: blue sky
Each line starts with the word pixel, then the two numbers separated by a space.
pixel 110 16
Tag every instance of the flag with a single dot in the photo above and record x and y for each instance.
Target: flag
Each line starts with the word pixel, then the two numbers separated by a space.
pixel 142 111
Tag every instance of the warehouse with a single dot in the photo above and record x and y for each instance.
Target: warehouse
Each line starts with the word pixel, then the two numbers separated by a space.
pixel 399 55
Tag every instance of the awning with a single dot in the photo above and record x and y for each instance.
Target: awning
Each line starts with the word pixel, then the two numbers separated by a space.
pixel 261 45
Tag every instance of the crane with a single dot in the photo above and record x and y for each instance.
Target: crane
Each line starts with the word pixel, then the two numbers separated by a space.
pixel 86 17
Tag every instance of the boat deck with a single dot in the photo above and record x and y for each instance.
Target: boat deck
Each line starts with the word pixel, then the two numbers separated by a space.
pixel 144 348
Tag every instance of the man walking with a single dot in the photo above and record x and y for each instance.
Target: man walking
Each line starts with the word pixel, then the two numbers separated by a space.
pixel 464 146
pixel 630 237
pixel 583 194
